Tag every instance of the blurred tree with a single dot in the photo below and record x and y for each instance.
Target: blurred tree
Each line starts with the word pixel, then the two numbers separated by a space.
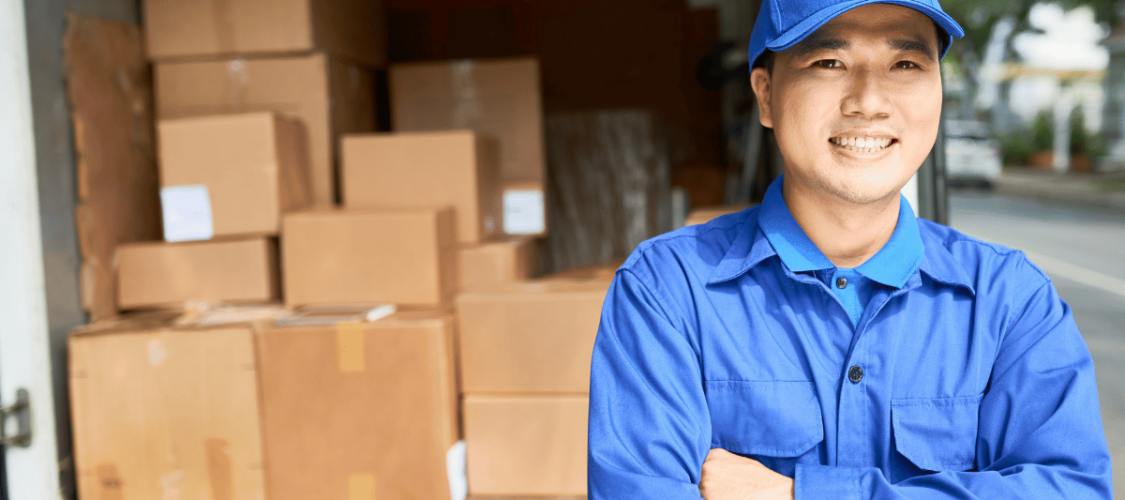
pixel 1043 132
pixel 998 21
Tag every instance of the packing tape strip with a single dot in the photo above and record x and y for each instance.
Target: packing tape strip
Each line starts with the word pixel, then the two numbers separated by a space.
pixel 218 469
pixel 361 487
pixel 349 347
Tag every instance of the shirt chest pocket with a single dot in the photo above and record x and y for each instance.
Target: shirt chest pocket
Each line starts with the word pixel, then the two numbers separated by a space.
pixel 773 419
pixel 937 434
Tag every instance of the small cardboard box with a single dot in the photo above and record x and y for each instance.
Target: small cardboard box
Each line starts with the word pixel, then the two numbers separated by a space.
pixel 250 410
pixel 497 97
pixel 330 97
pixel 404 257
pixel 159 274
pixel 248 168
pixel 526 444
pixel 455 168
pixel 535 337
pixel 217 28
pixel 510 261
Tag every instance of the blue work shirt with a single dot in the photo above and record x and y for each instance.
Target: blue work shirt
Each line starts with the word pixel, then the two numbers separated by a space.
pixel 967 379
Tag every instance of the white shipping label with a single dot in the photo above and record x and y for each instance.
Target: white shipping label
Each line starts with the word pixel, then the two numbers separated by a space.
pixel 455 467
pixel 187 213
pixel 524 212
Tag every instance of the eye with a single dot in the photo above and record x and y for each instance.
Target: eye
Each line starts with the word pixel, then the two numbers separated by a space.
pixel 829 63
pixel 905 65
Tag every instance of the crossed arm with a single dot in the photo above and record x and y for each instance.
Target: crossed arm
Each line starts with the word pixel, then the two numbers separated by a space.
pixel 650 430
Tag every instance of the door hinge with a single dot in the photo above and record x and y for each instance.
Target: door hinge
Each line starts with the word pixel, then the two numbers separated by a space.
pixel 21 412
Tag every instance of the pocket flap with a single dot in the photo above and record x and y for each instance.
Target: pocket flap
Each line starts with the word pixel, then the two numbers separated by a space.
pixel 776 419
pixel 937 434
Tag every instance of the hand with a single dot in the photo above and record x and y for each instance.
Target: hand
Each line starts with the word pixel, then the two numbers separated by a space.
pixel 727 476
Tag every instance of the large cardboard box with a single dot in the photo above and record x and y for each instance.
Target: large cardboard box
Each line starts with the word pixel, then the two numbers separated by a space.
pixel 238 173
pixel 455 168
pixel 534 337
pixel 496 97
pixel 328 96
pixel 509 261
pixel 405 257
pixel 253 411
pixel 354 29
pixel 526 444
pixel 161 413
pixel 159 274
pixel 359 410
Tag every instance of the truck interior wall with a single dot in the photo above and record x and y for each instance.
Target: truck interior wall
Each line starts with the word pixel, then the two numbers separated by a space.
pixel 46 23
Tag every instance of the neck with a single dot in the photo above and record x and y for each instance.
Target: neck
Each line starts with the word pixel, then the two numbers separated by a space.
pixel 848 234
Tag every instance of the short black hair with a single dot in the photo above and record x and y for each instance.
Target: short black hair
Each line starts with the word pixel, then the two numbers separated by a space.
pixel 766 59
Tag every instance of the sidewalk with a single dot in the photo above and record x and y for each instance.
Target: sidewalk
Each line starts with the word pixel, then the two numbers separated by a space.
pixel 1106 190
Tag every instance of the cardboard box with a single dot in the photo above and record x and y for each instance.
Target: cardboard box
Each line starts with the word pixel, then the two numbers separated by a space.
pixel 329 97
pixel 192 28
pixel 159 274
pixel 367 406
pixel 254 411
pixel 424 170
pixel 526 445
pixel 404 257
pixel 511 261
pixel 248 168
pixel 498 97
pixel 535 337
pixel 158 412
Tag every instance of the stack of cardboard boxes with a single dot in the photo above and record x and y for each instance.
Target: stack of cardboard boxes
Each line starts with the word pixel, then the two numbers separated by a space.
pixel 248 364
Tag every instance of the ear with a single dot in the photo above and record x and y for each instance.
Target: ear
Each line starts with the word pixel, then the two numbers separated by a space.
pixel 760 81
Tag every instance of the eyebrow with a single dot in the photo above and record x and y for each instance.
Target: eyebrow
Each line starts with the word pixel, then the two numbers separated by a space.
pixel 918 45
pixel 811 45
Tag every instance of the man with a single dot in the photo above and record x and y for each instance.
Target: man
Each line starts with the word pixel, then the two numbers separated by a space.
pixel 827 344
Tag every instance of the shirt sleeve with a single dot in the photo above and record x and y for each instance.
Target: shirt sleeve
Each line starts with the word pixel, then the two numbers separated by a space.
pixel 1039 432
pixel 650 430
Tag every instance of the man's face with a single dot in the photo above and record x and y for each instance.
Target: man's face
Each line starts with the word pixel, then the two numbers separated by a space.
pixel 855 106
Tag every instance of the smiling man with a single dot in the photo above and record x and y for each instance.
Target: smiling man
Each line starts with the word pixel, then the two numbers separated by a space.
pixel 827 344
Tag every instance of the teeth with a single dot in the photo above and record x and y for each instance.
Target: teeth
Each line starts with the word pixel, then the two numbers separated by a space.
pixel 862 144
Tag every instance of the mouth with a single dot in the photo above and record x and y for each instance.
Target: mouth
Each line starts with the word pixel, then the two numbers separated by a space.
pixel 863 144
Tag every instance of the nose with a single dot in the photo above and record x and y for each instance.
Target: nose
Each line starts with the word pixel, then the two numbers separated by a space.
pixel 866 98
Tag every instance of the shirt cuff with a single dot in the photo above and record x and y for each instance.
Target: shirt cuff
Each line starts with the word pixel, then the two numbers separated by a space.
pixel 817 482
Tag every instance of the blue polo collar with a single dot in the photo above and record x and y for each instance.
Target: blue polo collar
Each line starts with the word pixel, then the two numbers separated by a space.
pixel 780 235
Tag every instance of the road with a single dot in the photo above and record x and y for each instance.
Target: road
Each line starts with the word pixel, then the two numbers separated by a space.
pixel 1083 251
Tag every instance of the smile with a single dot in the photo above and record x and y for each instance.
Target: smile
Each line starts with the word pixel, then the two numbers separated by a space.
pixel 863 144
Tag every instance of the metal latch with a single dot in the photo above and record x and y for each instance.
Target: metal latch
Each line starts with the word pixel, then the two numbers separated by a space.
pixel 21 411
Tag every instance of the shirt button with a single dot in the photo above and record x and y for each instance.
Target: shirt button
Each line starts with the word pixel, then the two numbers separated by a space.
pixel 855 374
pixel 841 283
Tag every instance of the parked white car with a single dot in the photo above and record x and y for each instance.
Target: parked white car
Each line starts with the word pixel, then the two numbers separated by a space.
pixel 972 153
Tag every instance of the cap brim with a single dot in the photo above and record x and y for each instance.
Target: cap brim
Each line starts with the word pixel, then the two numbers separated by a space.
pixel 805 28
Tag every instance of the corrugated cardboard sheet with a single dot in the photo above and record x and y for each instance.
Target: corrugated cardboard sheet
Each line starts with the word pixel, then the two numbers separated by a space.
pixel 110 91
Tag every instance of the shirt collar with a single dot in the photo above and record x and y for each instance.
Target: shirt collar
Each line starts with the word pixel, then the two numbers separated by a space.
pixel 777 233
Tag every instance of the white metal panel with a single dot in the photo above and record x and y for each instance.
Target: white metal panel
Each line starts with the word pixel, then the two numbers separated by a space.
pixel 910 191
pixel 24 353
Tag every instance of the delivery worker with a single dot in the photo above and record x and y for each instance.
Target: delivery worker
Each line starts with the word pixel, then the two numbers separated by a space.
pixel 827 344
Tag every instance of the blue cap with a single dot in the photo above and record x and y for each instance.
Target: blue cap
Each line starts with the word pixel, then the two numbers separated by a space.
pixel 783 23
